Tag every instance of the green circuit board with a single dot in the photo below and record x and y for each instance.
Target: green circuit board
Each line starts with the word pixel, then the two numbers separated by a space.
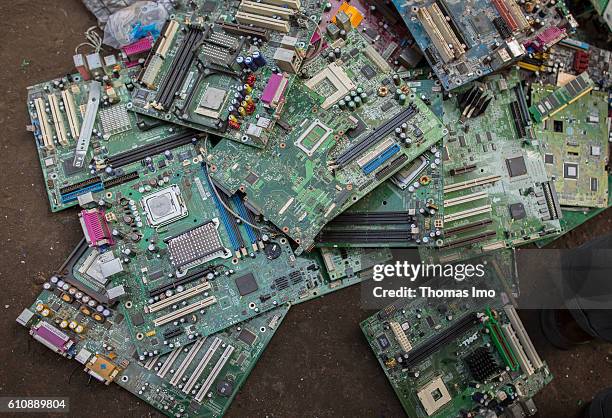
pixel 57 110
pixel 448 358
pixel 575 146
pixel 197 380
pixel 497 192
pixel 192 77
pixel 574 217
pixel 322 158
pixel 406 210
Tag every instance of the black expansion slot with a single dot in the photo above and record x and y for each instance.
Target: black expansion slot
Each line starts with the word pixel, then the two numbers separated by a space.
pixel 376 136
pixel 116 181
pixel 374 218
pixel 516 117
pixel 522 101
pixel 468 227
pixel 171 333
pixel 149 150
pixel 243 30
pixel 469 240
pixel 181 282
pixel 552 202
pixel 80 185
pixel 365 236
pixel 440 340
pixel 392 167
pixel 452 22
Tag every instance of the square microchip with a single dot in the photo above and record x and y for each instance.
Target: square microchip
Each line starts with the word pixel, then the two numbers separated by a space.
pixel 549 159
pixel 196 246
pixel 368 72
pixel 516 166
pixel 164 206
pixel 246 284
pixel 247 337
pixel 213 98
pixel 517 211
pixel 570 171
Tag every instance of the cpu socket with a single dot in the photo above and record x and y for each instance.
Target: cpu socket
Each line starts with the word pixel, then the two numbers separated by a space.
pixel 164 206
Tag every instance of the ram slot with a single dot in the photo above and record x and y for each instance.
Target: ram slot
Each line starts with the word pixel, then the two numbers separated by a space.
pixel 516 118
pixel 365 236
pixel 263 9
pixel 435 35
pixel 467 213
pixel 515 344
pixel 523 337
pixel 263 22
pixel 214 373
pixel 197 372
pixel 178 297
pixel 181 282
pixel 522 101
pixel 242 211
pixel 45 129
pixel 354 151
pixel 165 368
pixel 369 218
pixel 471 183
pixel 465 199
pixel 58 120
pixel 499 341
pixel 420 353
pixel 73 120
pixel 179 313
pixel 117 181
pixel 182 368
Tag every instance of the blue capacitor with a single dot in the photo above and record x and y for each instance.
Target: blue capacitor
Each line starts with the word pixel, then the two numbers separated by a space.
pixel 259 59
pixel 240 61
pixel 248 61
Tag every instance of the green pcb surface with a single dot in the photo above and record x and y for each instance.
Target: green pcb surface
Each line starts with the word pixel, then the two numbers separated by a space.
pixel 212 77
pixel 497 192
pixel 575 146
pixel 445 358
pixel 57 110
pixel 300 187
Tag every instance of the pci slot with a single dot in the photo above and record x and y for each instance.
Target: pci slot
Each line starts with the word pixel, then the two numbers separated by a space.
pixel 504 12
pixel 268 10
pixel 71 112
pixel 214 373
pixel 375 137
pixel 435 34
pixel 182 368
pixel 468 213
pixel 45 129
pixel 462 170
pixel 178 297
pixel 179 313
pixel 378 60
pixel 243 30
pixel 262 22
pixel 515 344
pixel 291 4
pixel 440 340
pixel 165 368
pixel 455 187
pixel 465 199
pixel 523 337
pixel 58 120
pixel 441 22
pixel 381 159
pixel 202 365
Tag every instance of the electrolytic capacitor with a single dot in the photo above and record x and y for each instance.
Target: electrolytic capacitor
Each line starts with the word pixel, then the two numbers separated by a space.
pixel 259 59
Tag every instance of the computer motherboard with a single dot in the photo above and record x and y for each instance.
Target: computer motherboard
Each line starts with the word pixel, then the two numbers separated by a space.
pixel 246 156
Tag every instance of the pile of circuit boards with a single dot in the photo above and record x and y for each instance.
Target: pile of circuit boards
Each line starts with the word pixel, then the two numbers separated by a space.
pixel 259 154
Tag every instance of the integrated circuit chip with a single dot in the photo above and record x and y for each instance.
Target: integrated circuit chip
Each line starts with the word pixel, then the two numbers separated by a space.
pixel 516 166
pixel 517 211
pixel 247 336
pixel 368 72
pixel 246 284
pixel 196 246
pixel 570 171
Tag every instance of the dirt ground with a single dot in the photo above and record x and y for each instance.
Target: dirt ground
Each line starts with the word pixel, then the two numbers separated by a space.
pixel 318 364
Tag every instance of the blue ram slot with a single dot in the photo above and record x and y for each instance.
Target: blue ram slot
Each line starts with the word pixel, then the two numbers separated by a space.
pixel 222 213
pixel 381 158
pixel 573 43
pixel 244 215
pixel 69 197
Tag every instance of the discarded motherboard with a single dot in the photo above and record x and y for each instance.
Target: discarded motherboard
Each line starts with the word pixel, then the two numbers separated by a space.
pixel 350 127
pixel 449 359
pixel 464 41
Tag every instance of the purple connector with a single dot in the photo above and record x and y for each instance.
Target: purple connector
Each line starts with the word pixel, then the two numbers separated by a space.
pixel 51 337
